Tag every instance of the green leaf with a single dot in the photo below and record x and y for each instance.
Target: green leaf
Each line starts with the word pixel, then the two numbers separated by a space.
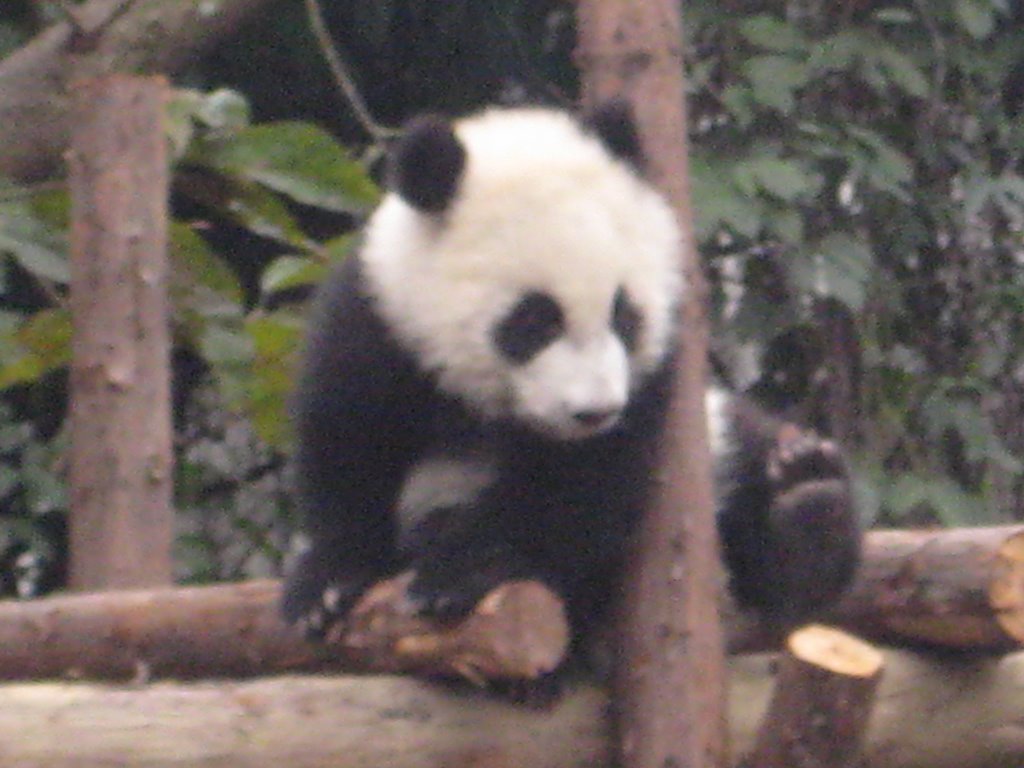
pixel 38 247
pixel 266 215
pixel 893 15
pixel 276 338
pixel 719 204
pixel 839 267
pixel 41 344
pixel 953 407
pixel 772 33
pixel 739 101
pixel 223 110
pixel 196 264
pixel 836 53
pixel 784 179
pixel 903 72
pixel 774 80
pixel 298 160
pixel 229 351
pixel 950 504
pixel 977 17
pixel 287 272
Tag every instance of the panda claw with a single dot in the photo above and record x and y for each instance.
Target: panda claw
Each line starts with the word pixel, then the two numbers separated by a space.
pixel 332 599
pixel 801 456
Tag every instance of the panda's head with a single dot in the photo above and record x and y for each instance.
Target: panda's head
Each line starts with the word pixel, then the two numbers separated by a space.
pixel 527 263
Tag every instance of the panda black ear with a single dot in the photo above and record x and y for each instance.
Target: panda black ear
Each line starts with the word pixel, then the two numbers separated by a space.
pixel 426 164
pixel 613 123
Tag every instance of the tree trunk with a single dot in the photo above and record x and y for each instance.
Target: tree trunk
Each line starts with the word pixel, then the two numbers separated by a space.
pixel 100 35
pixel 670 676
pixel 120 463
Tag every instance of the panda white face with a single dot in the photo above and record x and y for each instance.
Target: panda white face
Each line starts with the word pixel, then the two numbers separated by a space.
pixel 569 387
pixel 533 271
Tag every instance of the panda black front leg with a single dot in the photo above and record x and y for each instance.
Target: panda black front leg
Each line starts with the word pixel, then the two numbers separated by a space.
pixel 450 580
pixel 320 592
pixel 812 522
pixel 789 530
pixel 799 456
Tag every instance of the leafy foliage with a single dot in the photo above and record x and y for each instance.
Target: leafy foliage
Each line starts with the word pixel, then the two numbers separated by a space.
pixel 239 315
pixel 858 182
pixel 857 174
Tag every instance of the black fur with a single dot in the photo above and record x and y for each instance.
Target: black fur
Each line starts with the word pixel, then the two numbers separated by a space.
pixel 614 124
pixel 789 531
pixel 534 322
pixel 559 512
pixel 426 164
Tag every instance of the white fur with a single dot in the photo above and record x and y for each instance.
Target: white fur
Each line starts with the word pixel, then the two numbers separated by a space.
pixel 440 482
pixel 716 403
pixel 569 377
pixel 541 206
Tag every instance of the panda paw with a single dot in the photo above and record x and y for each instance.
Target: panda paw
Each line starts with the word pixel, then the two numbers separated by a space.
pixel 319 592
pixel 448 585
pixel 434 595
pixel 328 612
pixel 800 456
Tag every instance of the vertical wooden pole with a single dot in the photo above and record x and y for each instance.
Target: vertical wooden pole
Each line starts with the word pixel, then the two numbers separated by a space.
pixel 120 427
pixel 671 676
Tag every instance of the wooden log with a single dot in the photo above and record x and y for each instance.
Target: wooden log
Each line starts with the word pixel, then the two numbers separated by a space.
pixel 518 631
pixel 120 463
pixel 234 629
pixel 932 711
pixel 823 696
pixel 958 588
pixel 377 722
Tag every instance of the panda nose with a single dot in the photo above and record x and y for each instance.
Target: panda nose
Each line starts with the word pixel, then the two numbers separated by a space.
pixel 592 418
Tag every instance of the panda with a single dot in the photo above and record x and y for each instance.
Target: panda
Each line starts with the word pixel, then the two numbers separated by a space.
pixel 484 387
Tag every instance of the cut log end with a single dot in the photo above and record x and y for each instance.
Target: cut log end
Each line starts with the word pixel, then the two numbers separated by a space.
pixel 1006 592
pixel 823 696
pixel 835 651
pixel 519 631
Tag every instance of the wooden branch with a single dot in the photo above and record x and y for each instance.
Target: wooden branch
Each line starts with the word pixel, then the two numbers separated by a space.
pixel 104 35
pixel 959 588
pixel 931 712
pixel 823 696
pixel 120 456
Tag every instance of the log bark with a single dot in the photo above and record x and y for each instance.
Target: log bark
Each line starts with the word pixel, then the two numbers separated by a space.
pixel 518 631
pixel 959 588
pixel 670 681
pixel 234 629
pixel 120 461
pixel 932 711
pixel 819 711
pixel 100 35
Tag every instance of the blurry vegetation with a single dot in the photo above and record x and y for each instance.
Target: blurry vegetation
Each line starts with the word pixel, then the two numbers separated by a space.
pixel 858 181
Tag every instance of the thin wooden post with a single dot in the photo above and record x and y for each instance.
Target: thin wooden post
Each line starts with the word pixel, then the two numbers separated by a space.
pixel 120 454
pixel 671 678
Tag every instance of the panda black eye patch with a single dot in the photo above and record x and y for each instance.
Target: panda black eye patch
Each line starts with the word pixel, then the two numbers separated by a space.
pixel 626 320
pixel 534 322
